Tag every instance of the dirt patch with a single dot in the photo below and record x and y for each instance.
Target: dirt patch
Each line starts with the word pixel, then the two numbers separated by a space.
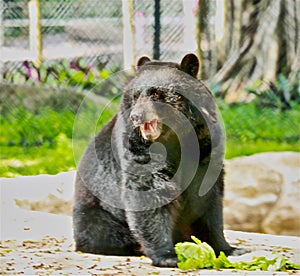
pixel 50 255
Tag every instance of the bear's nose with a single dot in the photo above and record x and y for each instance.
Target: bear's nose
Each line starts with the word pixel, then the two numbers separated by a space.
pixel 136 117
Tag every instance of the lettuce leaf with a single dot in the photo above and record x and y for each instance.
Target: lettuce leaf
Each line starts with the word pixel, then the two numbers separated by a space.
pixel 195 255
pixel 200 255
pixel 278 263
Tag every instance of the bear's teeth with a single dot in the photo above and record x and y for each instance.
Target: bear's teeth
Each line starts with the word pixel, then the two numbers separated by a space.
pixel 153 124
pixel 151 128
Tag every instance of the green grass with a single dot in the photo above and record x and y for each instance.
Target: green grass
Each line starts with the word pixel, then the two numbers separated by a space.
pixel 252 130
pixel 43 159
pixel 32 143
pixel 235 148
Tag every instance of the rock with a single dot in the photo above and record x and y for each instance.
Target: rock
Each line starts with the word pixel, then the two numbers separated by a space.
pixel 262 193
pixel 47 193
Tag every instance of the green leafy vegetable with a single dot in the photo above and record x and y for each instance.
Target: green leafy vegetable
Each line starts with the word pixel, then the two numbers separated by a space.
pixel 195 255
pixel 222 262
pixel 278 263
pixel 201 255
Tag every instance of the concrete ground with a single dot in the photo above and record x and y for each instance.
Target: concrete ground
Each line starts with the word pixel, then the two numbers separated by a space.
pixel 41 243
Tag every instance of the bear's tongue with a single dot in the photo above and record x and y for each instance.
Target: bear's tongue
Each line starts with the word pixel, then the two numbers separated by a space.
pixel 151 126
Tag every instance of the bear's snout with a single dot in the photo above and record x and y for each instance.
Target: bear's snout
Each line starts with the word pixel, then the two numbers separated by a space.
pixel 143 115
pixel 142 112
pixel 136 117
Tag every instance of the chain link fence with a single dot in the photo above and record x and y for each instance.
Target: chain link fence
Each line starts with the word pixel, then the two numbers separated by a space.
pixel 82 39
pixel 91 30
pixel 82 42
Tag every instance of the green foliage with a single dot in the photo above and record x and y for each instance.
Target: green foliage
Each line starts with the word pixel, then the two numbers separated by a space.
pixel 30 138
pixel 280 94
pixel 200 255
pixel 251 129
pixel 235 148
pixel 26 128
pixel 77 73
pixel 15 32
pixel 44 159
pixel 40 141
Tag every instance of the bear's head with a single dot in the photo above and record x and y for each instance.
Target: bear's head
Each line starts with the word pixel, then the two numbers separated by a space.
pixel 157 85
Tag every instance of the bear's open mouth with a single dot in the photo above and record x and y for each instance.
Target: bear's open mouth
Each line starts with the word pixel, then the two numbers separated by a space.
pixel 150 130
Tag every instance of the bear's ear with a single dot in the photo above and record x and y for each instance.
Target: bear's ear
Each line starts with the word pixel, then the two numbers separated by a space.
pixel 142 61
pixel 190 64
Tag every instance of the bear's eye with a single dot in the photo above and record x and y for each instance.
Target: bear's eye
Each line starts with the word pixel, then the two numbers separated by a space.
pixel 136 96
pixel 153 92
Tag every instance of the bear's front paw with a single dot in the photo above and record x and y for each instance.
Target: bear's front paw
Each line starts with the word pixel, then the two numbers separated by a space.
pixel 236 251
pixel 165 261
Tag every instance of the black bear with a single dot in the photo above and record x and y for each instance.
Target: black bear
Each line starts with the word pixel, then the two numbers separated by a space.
pixel 153 176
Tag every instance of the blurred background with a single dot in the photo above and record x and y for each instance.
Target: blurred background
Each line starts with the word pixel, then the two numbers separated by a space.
pixel 53 53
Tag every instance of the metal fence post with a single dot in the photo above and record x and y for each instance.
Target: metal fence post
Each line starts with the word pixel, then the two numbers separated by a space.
pixel 2 7
pixel 189 24
pixel 156 42
pixel 35 33
pixel 128 34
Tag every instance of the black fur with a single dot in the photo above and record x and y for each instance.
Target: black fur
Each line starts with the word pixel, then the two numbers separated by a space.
pixel 108 216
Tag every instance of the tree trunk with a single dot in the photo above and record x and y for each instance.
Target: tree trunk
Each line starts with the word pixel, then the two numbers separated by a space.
pixel 289 47
pixel 206 30
pixel 261 40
